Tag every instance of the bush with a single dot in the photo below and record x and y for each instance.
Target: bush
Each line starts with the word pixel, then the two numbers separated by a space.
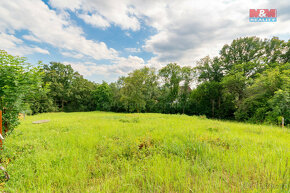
pixel 17 80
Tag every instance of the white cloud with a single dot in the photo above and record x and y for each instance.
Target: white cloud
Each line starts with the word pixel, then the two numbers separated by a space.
pixel 195 30
pixel 119 13
pixel 95 20
pixel 31 38
pixel 82 68
pixel 40 50
pixel 72 55
pixel 13 45
pixel 120 67
pixel 125 65
pixel 67 4
pixel 186 29
pixel 49 27
pixel 133 50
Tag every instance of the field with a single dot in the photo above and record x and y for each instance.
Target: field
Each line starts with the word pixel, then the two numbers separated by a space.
pixel 110 152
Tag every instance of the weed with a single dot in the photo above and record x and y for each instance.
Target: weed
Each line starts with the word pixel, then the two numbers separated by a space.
pixel 110 152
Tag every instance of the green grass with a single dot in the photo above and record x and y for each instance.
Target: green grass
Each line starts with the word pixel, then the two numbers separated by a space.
pixel 110 152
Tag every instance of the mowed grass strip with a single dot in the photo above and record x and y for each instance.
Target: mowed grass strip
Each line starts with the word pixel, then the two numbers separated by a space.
pixel 111 152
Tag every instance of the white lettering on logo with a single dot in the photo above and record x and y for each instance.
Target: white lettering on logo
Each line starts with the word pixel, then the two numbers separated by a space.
pixel 262 13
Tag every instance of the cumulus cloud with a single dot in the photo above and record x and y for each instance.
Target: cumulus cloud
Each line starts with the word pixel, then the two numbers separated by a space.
pixel 50 27
pixel 186 30
pixel 83 68
pixel 30 38
pixel 196 30
pixel 14 45
pixel 95 20
pixel 133 50
pixel 101 13
pixel 73 55
pixel 120 67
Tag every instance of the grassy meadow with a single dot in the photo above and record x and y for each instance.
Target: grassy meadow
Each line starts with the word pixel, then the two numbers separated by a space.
pixel 111 152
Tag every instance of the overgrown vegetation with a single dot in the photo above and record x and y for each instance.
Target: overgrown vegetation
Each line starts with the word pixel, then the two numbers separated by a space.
pixel 248 81
pixel 110 152
pixel 18 80
pixel 106 152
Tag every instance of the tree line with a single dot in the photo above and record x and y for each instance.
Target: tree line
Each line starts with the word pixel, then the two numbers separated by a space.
pixel 248 81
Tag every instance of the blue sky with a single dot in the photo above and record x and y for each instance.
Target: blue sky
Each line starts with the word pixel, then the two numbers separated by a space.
pixel 107 39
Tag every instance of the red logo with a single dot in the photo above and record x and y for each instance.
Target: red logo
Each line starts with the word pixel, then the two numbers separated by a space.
pixel 263 15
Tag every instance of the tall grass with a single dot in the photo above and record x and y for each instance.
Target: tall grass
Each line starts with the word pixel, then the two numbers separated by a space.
pixel 109 152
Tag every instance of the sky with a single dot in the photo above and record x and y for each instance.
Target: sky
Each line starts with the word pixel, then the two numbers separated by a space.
pixel 106 39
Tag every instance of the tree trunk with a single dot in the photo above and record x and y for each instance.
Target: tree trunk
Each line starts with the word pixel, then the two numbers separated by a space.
pixel 212 102
pixel 62 105
pixel 183 107
pixel 219 105
pixel 5 127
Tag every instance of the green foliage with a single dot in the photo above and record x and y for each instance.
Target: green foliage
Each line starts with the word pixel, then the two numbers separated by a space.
pixel 261 98
pixel 249 81
pixel 249 71
pixel 280 107
pixel 82 97
pixel 241 83
pixel 208 99
pixel 187 75
pixel 38 100
pixel 117 105
pixel 171 76
pixel 67 89
pixel 139 90
pixel 60 78
pixel 17 80
pixel 242 50
pixel 132 91
pixel 103 97
pixel 209 69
